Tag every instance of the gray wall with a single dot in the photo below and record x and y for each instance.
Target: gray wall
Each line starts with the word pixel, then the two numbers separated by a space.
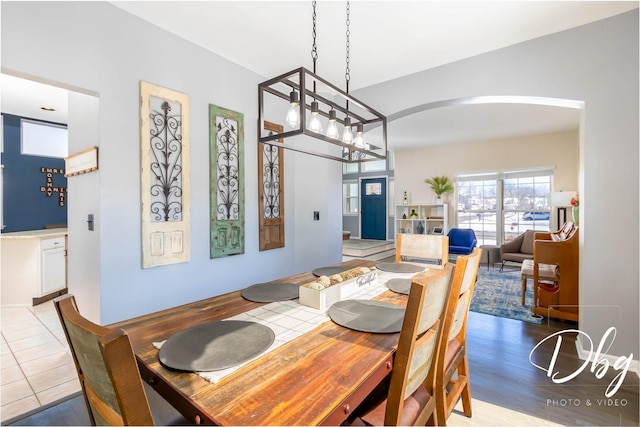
pixel 102 49
pixel 597 64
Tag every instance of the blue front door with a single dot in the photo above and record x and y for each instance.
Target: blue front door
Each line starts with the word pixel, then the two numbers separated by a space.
pixel 373 208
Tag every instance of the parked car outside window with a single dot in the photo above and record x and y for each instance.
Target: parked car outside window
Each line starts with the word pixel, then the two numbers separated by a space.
pixel 529 216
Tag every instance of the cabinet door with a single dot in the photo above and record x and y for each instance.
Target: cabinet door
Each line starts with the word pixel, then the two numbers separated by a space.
pixel 53 270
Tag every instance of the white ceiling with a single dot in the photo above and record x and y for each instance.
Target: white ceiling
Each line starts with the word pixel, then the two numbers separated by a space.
pixel 26 98
pixel 389 39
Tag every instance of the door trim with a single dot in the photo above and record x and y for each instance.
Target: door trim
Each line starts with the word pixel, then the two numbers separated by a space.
pixel 386 209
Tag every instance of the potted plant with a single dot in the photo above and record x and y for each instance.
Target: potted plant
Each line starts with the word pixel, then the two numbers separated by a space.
pixel 440 185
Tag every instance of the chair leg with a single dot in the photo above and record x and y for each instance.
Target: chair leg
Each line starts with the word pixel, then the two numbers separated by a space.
pixel 524 287
pixel 441 417
pixel 466 391
pixel 433 419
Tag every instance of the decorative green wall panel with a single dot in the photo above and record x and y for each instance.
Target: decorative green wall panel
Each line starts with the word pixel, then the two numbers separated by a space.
pixel 226 150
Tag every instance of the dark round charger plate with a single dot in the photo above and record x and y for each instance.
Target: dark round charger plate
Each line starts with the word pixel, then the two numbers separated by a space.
pixel 399 267
pixel 368 316
pixel 328 271
pixel 214 346
pixel 401 286
pixel 271 292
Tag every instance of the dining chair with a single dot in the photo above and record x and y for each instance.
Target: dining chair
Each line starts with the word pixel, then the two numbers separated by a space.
pixel 409 392
pixel 422 248
pixel 452 350
pixel 107 369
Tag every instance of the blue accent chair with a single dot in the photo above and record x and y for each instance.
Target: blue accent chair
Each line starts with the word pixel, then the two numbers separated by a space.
pixel 462 241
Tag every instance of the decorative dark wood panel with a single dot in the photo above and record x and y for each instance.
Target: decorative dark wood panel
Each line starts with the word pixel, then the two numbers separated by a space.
pixel 271 192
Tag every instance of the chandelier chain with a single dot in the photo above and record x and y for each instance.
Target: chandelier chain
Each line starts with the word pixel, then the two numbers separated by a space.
pixel 314 49
pixel 347 74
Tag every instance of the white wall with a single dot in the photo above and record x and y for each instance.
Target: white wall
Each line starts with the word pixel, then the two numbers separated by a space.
pixel 313 175
pixel 83 198
pixel 100 48
pixel 597 64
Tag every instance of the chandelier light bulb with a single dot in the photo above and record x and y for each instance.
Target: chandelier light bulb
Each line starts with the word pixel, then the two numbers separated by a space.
pixel 293 115
pixel 359 139
pixel 347 135
pixel 315 125
pixel 332 131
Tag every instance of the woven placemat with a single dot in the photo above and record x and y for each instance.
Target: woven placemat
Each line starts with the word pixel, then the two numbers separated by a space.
pixel 368 316
pixel 271 292
pixel 214 346
pixel 399 267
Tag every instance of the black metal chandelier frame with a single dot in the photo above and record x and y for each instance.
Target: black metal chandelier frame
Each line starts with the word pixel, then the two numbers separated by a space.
pixel 366 116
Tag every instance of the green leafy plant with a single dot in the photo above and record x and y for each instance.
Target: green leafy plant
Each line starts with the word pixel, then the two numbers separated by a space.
pixel 440 185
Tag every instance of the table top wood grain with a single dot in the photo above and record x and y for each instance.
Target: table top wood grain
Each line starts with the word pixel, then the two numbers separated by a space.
pixel 318 378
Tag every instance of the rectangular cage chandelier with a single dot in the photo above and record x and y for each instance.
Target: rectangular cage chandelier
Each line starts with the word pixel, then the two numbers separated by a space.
pixel 340 126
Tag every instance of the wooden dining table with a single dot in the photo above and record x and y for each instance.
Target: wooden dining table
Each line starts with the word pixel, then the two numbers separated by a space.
pixel 318 378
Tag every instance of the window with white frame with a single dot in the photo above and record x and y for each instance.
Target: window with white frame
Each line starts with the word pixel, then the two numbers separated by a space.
pixel 500 206
pixel 43 139
pixel 374 166
pixel 526 202
pixel 349 168
pixel 350 197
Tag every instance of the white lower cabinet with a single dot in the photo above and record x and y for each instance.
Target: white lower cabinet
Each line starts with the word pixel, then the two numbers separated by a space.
pixel 33 266
pixel 53 272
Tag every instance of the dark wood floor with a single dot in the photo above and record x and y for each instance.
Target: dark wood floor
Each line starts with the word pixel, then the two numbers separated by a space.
pixel 501 374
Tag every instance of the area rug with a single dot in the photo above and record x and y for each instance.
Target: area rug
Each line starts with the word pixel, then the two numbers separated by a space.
pixel 499 294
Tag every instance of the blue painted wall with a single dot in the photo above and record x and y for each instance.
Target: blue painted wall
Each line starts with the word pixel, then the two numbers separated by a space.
pixel 25 206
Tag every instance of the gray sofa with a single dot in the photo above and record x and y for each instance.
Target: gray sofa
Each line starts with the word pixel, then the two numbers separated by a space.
pixel 519 249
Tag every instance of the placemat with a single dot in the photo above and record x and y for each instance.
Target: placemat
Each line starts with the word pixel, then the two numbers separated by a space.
pixel 399 267
pixel 289 320
pixel 401 286
pixel 328 271
pixel 368 316
pixel 271 292
pixel 214 346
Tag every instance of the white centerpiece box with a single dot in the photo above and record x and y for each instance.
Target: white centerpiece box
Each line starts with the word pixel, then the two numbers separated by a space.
pixel 318 295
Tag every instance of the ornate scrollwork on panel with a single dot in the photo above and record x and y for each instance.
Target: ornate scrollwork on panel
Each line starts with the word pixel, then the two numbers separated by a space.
pixel 226 162
pixel 227 169
pixel 271 181
pixel 166 160
pixel 164 176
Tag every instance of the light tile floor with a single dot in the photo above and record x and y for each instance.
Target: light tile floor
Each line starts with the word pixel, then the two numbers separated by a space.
pixel 37 368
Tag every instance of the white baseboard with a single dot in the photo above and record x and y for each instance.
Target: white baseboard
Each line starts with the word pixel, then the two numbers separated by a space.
pixel 583 355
